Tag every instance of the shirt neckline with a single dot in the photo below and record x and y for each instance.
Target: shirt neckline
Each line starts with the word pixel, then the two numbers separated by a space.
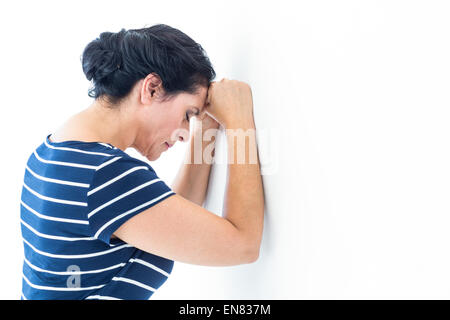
pixel 76 142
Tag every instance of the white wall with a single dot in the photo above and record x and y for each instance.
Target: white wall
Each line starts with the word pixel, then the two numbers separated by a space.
pixel 352 106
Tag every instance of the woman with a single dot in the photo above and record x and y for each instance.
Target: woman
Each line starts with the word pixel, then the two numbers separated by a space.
pixel 100 224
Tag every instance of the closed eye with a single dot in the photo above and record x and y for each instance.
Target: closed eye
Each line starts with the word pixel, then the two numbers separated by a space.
pixel 197 112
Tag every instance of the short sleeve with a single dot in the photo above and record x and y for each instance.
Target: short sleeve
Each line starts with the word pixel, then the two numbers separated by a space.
pixel 121 188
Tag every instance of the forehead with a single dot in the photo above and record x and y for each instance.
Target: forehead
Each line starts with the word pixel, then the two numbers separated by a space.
pixel 202 93
pixel 196 100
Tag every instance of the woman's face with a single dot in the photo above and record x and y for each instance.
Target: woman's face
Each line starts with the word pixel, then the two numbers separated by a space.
pixel 163 123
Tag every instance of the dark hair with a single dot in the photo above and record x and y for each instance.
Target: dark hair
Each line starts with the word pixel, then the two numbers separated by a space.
pixel 116 61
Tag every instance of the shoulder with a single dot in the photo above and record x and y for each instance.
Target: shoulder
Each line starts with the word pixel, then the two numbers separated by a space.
pixel 120 173
pixel 121 188
pixel 119 161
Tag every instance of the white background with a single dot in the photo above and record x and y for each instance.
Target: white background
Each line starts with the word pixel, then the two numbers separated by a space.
pixel 354 97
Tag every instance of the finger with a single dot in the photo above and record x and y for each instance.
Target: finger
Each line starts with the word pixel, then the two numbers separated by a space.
pixel 202 115
pixel 211 116
pixel 209 92
pixel 208 97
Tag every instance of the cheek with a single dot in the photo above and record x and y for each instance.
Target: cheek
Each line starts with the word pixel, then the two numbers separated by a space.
pixel 157 141
pixel 172 130
pixel 163 129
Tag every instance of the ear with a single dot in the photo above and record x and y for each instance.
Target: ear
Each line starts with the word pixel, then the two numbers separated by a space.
pixel 151 88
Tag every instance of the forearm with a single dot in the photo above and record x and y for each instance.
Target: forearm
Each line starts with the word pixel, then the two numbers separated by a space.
pixel 244 199
pixel 192 178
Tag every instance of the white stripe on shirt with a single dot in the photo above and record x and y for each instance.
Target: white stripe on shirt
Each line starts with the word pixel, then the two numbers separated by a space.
pixel 35 286
pixel 134 282
pixel 103 297
pixel 69 183
pixel 116 178
pixel 53 218
pixel 47 236
pixel 76 256
pixel 106 145
pixel 149 265
pixel 78 150
pixel 123 195
pixel 74 203
pixel 129 212
pixel 62 163
pixel 107 163
pixel 68 273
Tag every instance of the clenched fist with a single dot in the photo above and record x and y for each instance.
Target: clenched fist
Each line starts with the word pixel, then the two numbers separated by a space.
pixel 230 102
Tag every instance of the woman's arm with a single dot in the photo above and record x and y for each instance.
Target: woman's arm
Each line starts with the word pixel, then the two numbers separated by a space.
pixel 192 179
pixel 182 230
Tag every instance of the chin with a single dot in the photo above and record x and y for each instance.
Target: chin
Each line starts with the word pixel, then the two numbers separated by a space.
pixel 153 156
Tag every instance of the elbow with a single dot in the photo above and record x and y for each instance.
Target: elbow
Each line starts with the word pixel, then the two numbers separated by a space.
pixel 253 254
pixel 253 258
pixel 251 249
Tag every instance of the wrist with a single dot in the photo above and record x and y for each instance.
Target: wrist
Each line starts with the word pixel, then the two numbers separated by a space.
pixel 242 124
pixel 202 125
pixel 202 145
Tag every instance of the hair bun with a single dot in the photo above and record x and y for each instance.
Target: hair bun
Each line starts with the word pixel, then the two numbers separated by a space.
pixel 102 57
pixel 115 62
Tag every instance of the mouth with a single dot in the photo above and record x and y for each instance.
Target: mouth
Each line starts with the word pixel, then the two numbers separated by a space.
pixel 169 145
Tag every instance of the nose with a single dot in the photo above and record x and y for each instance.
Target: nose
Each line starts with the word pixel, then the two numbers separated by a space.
pixel 180 134
pixel 183 135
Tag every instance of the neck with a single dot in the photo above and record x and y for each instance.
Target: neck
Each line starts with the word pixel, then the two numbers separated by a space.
pixel 111 125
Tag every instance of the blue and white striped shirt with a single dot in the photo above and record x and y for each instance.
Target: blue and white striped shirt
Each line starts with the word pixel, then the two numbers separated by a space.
pixel 75 195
